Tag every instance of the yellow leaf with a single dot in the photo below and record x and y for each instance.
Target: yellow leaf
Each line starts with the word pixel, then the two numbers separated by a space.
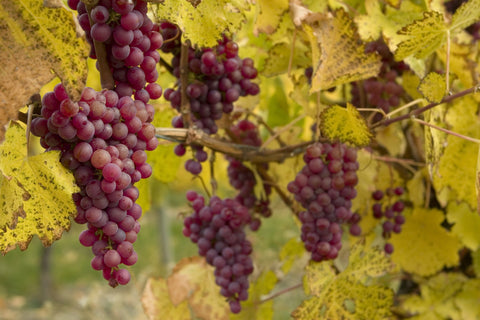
pixel 43 39
pixel 467 300
pixel 461 57
pixel 424 246
pixel 467 14
pixel 416 188
pixel 47 198
pixel 393 139
pixel 433 87
pixel 346 125
pixel 476 262
pixel 12 196
pixel 466 224
pixel 205 24
pixel 364 264
pixel 449 168
pixel 145 195
pixel 291 252
pixel 338 57
pixel 423 36
pixel 193 279
pixel 158 305
pixel 384 21
pixel 278 59
pixel 253 308
pixel 346 295
pixel 269 14
pixel 437 297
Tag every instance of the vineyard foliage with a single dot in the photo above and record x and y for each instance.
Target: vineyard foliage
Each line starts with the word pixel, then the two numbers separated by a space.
pixel 319 80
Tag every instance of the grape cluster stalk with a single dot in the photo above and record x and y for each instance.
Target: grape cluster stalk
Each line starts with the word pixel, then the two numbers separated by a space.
pixel 217 77
pixel 243 179
pixel 130 41
pixel 325 187
pixel 218 229
pixel 102 139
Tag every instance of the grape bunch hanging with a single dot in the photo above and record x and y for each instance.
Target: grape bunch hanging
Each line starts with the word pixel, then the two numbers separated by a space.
pixel 218 229
pixel 325 187
pixel 217 77
pixel 104 136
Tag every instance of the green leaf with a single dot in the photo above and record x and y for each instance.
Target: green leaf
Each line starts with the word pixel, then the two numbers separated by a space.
pixel 423 36
pixel 45 188
pixel 205 24
pixel 337 53
pixel 416 247
pixel 433 87
pixel 467 14
pixel 346 125
pixel 291 252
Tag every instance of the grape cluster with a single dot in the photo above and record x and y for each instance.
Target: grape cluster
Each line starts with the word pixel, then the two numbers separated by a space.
pixel 381 91
pixel 217 78
pixel 242 178
pixel 390 213
pixel 325 187
pixel 218 229
pixel 102 139
pixel 131 44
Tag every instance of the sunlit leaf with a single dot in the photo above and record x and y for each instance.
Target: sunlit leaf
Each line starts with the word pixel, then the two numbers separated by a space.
pixel 467 14
pixel 349 294
pixel 417 248
pixel 193 279
pixel 338 56
pixel 466 223
pixel 205 24
pixel 269 14
pixel 448 169
pixel 467 300
pixel 346 125
pixel 423 36
pixel 278 59
pixel 433 87
pixel 46 192
pixel 437 297
pixel 34 40
pixel 158 305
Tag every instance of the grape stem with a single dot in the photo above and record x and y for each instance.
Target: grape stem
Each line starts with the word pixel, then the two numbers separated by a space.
pixel 456 134
pixel 106 76
pixel 239 151
pixel 282 130
pixel 261 122
pixel 213 181
pixel 279 293
pixel 268 180
pixel 185 103
pixel 414 113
